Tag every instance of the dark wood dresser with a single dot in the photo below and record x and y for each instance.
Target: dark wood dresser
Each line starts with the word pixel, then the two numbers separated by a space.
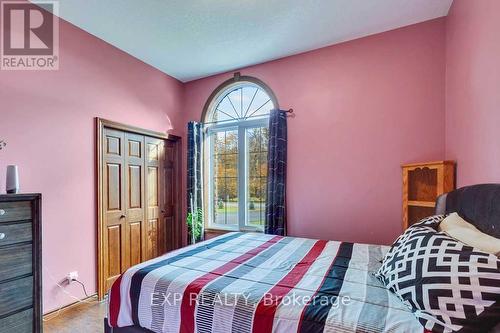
pixel 20 263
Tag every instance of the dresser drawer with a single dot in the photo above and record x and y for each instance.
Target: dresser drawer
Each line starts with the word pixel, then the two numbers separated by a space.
pixel 13 233
pixel 15 211
pixel 21 322
pixel 15 261
pixel 20 263
pixel 16 295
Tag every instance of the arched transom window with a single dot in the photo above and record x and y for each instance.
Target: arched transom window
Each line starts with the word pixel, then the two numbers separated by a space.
pixel 236 122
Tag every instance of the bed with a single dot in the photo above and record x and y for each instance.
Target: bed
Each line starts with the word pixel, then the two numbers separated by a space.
pixel 251 282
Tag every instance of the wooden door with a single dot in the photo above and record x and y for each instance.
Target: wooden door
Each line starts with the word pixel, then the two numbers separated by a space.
pixel 113 201
pixel 123 180
pixel 138 198
pixel 135 228
pixel 170 165
pixel 163 233
pixel 155 240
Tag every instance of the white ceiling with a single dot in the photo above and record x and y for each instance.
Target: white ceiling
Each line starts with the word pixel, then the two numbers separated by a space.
pixel 190 39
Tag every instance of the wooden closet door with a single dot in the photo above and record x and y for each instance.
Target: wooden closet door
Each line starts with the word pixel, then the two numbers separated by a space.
pixel 138 198
pixel 171 186
pixel 135 248
pixel 155 212
pixel 114 231
pixel 123 194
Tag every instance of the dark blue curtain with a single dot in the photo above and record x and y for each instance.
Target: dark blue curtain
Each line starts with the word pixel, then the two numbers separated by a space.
pixel 276 174
pixel 194 183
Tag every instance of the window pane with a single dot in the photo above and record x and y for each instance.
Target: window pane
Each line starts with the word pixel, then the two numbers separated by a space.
pixel 231 143
pixel 225 110
pixel 256 201
pixel 218 204
pixel 232 165
pixel 235 100
pixel 248 97
pixel 261 104
pixel 257 164
pixel 257 175
pixel 225 177
pixel 241 103
pixel 218 142
pixel 254 139
pixel 226 165
pixel 232 201
pixel 226 201
pixel 264 141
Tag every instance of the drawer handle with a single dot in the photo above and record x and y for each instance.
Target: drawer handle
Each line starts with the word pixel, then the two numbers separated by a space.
pixel 2 212
pixel 2 235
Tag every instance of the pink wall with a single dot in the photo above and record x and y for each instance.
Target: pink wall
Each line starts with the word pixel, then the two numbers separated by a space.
pixel 362 109
pixel 472 90
pixel 47 118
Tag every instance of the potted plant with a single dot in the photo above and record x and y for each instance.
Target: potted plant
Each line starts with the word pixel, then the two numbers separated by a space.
pixel 195 226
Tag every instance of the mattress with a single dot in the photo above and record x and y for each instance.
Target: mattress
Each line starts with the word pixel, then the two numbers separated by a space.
pixel 252 282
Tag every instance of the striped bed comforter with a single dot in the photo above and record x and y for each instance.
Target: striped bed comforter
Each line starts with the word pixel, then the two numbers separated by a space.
pixel 248 282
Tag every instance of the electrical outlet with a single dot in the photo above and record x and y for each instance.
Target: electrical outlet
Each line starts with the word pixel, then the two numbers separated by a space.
pixel 72 276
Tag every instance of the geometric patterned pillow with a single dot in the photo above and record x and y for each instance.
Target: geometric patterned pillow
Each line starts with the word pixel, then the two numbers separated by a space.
pixel 431 221
pixel 448 285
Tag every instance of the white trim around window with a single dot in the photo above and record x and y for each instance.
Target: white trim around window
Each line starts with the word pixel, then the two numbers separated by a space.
pixel 243 199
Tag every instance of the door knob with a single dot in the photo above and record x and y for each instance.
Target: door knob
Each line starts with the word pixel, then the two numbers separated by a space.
pixel 2 235
pixel 2 212
pixel 123 216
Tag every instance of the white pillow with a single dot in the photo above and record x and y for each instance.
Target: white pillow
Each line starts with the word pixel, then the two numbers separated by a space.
pixel 455 226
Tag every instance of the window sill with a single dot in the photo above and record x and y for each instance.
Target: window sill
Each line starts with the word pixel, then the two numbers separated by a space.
pixel 225 230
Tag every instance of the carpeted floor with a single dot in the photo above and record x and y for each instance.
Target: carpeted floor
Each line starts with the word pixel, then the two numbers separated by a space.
pixel 84 318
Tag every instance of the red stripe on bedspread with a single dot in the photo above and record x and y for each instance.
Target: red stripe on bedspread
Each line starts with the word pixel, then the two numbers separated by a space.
pixel 317 290
pixel 114 302
pixel 188 304
pixel 264 314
